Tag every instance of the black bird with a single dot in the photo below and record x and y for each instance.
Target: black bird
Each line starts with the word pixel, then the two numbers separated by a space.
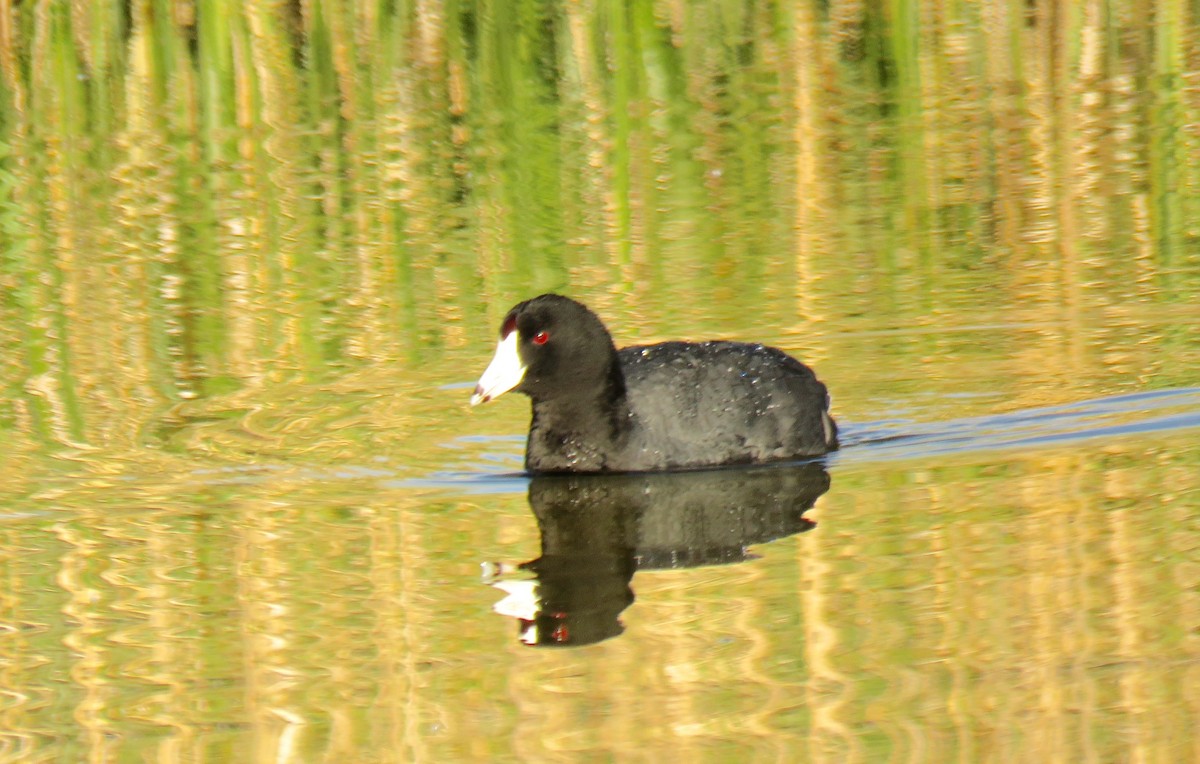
pixel 669 406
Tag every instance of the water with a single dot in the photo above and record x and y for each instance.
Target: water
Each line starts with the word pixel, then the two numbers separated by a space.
pixel 253 261
pixel 1024 582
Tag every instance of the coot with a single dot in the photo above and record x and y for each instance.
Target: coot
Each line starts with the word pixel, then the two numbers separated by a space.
pixel 674 405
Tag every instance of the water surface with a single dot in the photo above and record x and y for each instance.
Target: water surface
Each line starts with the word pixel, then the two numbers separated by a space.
pixel 252 259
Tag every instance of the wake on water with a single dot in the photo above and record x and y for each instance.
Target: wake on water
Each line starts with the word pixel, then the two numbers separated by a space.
pixel 498 468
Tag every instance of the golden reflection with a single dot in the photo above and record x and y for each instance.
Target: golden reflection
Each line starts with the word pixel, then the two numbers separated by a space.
pixel 812 209
pixel 92 709
pixel 396 597
pixel 934 611
pixel 826 690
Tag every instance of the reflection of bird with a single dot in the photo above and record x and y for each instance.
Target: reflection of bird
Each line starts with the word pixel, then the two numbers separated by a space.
pixel 674 405
pixel 598 529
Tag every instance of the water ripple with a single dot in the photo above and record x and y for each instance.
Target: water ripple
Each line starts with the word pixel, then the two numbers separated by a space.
pixel 1109 417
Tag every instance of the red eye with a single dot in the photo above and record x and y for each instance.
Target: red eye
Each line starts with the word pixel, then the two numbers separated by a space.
pixel 541 338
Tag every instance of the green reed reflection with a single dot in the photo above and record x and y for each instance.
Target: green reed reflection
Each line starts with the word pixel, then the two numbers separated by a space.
pixel 205 193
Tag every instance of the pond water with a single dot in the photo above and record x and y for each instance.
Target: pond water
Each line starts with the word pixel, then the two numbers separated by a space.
pixel 255 256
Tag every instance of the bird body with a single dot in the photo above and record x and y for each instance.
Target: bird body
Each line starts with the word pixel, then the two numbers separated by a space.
pixel 667 406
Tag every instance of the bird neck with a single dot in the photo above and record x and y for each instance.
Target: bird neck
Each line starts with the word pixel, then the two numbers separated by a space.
pixel 582 429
